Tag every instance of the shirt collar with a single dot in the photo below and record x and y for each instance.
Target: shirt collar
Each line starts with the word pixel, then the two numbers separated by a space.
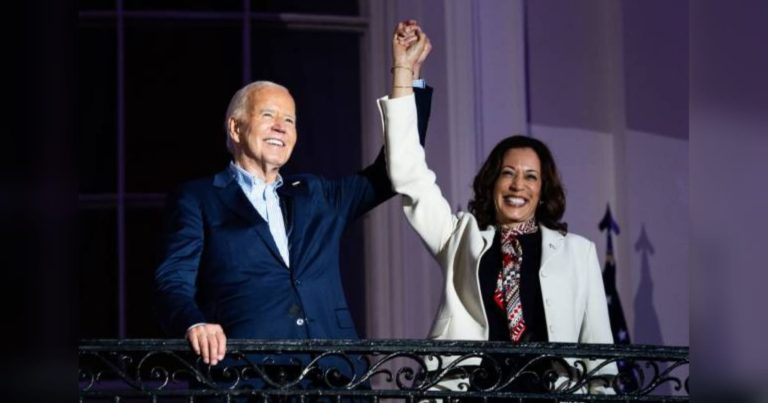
pixel 251 183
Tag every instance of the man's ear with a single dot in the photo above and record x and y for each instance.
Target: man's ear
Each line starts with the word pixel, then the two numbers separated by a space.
pixel 234 130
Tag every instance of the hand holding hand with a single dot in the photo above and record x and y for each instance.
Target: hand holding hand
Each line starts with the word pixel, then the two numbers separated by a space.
pixel 410 46
pixel 209 341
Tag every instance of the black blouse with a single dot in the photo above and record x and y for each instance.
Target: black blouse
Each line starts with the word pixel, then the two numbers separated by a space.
pixel 530 290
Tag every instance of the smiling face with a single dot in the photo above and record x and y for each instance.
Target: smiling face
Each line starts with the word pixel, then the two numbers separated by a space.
pixel 264 141
pixel 517 191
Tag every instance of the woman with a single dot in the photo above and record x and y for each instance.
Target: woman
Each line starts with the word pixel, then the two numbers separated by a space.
pixel 512 271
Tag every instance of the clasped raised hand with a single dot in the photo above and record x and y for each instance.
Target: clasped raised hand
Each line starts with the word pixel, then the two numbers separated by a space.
pixel 410 47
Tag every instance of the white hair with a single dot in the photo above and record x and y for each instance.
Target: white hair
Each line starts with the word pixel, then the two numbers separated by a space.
pixel 239 105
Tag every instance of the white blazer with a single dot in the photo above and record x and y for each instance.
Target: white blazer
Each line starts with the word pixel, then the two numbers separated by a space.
pixel 571 280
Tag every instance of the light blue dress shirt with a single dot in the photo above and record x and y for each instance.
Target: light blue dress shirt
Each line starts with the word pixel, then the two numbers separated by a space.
pixel 264 198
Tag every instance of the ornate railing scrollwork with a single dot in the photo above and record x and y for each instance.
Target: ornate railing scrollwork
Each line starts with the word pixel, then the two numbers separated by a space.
pixel 408 370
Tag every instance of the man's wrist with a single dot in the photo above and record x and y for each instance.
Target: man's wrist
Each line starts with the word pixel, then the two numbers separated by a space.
pixel 195 325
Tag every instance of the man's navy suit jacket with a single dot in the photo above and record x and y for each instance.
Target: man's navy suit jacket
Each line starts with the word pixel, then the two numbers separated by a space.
pixel 221 264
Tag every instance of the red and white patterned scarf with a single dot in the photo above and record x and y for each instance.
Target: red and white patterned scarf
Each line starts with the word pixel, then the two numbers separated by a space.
pixel 507 295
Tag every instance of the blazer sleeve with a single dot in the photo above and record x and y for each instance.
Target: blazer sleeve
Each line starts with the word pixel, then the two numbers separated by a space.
pixel 423 203
pixel 596 324
pixel 175 277
pixel 357 194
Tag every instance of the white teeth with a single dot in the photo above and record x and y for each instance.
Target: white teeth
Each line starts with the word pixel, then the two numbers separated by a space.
pixel 275 142
pixel 515 201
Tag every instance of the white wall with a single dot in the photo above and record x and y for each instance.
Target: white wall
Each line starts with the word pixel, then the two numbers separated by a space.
pixel 657 188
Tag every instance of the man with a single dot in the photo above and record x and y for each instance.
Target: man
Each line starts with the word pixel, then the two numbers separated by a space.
pixel 252 254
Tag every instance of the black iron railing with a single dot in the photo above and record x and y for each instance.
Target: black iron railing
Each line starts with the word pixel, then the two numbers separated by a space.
pixel 151 370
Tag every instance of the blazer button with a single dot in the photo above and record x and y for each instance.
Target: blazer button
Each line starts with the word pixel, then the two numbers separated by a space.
pixel 300 322
pixel 543 274
pixel 551 329
pixel 547 302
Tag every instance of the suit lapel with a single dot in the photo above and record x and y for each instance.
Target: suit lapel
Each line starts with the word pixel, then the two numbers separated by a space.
pixel 487 235
pixel 551 245
pixel 232 196
pixel 291 190
pixel 467 282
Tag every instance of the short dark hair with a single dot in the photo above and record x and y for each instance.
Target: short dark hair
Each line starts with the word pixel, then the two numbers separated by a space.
pixel 548 213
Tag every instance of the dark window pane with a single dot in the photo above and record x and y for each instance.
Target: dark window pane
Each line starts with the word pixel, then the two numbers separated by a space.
pixel 97 261
pixel 143 236
pixel 97 107
pixel 330 7
pixel 188 5
pixel 179 78
pixel 321 69
pixel 87 5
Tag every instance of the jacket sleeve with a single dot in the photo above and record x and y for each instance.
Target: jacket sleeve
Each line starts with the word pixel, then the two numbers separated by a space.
pixel 175 277
pixel 357 194
pixel 596 325
pixel 423 203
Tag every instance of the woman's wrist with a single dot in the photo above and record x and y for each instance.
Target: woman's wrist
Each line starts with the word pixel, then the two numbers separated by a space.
pixel 403 67
pixel 402 76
